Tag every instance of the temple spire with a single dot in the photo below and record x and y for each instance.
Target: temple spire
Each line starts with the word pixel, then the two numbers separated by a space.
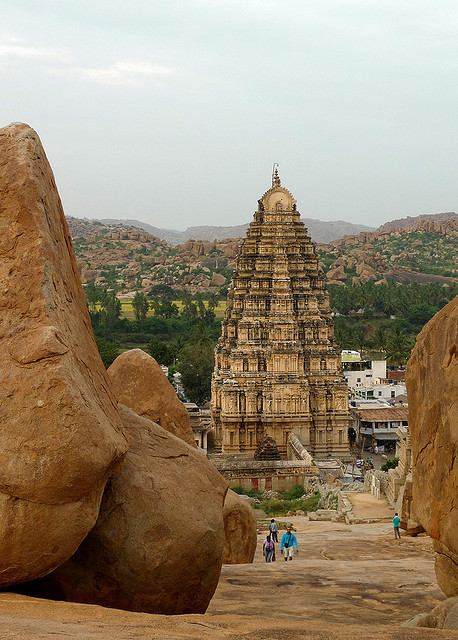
pixel 275 177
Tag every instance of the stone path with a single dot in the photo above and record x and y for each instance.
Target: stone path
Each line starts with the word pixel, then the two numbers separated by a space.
pixel 346 582
pixel 365 505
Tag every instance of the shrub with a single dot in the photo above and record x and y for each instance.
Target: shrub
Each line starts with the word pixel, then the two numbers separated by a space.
pixel 293 494
pixel 390 464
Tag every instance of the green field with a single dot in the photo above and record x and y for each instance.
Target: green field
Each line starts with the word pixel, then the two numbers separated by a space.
pixel 128 312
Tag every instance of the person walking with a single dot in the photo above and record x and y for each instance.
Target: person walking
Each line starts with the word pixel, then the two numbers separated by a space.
pixel 268 548
pixel 396 523
pixel 273 528
pixel 287 544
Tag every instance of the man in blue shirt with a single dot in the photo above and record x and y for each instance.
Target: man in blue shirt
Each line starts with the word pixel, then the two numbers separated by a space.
pixel 396 523
pixel 287 544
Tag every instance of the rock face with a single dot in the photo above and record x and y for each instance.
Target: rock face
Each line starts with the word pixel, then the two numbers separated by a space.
pixel 157 545
pixel 432 380
pixel 61 436
pixel 139 383
pixel 240 530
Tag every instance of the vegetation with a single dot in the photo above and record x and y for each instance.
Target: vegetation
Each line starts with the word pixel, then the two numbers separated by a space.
pixel 390 464
pixel 293 500
pixel 181 330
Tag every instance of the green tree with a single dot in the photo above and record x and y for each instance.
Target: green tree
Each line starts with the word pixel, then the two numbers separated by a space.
pixel 140 306
pixel 380 339
pixel 111 310
pixel 163 308
pixel 196 366
pixel 109 351
pixel 92 296
pixel 162 352
pixel 162 291
pixel 399 346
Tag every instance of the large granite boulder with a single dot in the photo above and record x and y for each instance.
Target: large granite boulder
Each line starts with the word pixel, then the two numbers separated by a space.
pixel 157 545
pixel 240 530
pixel 61 436
pixel 432 381
pixel 139 383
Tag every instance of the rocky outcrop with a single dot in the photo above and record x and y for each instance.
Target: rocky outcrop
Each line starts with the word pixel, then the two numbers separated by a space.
pixel 61 436
pixel 157 545
pixel 240 530
pixel 139 383
pixel 409 521
pixel 444 616
pixel 432 380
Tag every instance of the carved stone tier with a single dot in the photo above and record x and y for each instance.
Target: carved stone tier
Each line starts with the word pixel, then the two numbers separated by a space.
pixel 277 365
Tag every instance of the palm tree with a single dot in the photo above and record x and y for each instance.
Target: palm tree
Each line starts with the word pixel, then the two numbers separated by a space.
pixel 201 336
pixel 399 346
pixel 380 340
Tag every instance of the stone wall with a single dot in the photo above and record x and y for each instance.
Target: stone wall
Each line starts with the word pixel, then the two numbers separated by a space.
pixel 266 475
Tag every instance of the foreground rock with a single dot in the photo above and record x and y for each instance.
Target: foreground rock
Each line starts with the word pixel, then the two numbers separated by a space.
pixel 444 616
pixel 139 383
pixel 61 435
pixel 240 530
pixel 432 381
pixel 158 542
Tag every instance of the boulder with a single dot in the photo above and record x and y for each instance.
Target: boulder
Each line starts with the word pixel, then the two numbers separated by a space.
pixel 217 280
pixel 139 383
pixel 444 616
pixel 240 530
pixel 157 545
pixel 432 380
pixel 336 274
pixel 61 436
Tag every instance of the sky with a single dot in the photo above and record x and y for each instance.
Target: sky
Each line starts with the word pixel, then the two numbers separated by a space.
pixel 173 112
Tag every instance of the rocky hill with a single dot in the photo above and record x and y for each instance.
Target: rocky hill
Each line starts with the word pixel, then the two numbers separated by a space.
pixel 318 230
pixel 423 251
pixel 411 222
pixel 127 258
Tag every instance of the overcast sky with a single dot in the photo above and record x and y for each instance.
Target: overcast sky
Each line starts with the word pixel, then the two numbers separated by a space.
pixel 172 112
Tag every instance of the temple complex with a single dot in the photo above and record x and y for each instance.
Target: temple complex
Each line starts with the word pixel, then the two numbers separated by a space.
pixel 277 366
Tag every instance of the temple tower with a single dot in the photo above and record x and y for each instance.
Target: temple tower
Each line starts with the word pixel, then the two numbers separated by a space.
pixel 277 365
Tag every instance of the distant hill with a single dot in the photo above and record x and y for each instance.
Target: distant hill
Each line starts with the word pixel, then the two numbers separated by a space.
pixel 318 230
pixel 127 258
pixel 410 222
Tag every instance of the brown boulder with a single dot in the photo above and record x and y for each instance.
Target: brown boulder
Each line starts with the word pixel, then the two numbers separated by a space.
pixel 217 280
pixel 240 530
pixel 157 545
pixel 61 436
pixel 432 381
pixel 139 383
pixel 336 274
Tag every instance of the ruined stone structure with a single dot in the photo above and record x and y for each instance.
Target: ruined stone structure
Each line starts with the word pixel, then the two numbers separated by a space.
pixel 277 365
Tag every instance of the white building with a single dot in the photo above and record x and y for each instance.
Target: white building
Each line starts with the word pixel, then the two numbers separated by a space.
pixel 367 379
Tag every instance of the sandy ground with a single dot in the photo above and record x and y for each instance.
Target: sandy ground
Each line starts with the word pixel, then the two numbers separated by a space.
pixel 346 582
pixel 365 505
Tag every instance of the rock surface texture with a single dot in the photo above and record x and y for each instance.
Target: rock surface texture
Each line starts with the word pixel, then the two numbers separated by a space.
pixel 240 530
pixel 432 381
pixel 139 383
pixel 61 436
pixel 157 545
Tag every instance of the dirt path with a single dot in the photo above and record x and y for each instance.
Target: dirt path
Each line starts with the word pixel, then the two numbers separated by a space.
pixel 365 505
pixel 346 582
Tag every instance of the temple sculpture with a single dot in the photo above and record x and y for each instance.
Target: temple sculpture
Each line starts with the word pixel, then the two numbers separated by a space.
pixel 277 365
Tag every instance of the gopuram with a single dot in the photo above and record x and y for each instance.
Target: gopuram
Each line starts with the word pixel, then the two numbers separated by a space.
pixel 277 365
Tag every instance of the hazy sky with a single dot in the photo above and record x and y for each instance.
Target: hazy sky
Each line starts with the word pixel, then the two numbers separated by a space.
pixel 172 112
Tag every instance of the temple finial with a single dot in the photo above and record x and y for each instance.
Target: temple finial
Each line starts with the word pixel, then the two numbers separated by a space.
pixel 275 177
